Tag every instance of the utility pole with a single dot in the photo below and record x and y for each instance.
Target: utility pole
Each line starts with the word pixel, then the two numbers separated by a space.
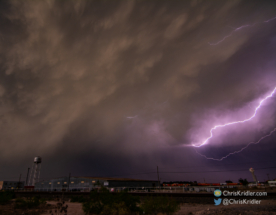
pixel 158 177
pixel 19 181
pixel 69 181
pixel 27 177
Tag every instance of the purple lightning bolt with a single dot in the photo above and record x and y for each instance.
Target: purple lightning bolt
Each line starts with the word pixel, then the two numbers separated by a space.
pixel 236 152
pixel 239 28
pixel 232 123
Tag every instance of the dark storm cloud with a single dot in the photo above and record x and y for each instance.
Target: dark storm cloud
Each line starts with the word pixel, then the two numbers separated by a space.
pixel 123 81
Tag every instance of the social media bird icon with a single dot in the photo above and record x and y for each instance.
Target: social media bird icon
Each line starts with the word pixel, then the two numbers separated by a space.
pixel 217 202
pixel 217 193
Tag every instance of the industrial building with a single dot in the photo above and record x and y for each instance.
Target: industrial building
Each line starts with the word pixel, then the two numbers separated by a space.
pixel 272 183
pixel 10 185
pixel 90 183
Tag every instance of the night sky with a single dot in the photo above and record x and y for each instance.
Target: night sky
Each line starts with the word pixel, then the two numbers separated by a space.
pixel 116 88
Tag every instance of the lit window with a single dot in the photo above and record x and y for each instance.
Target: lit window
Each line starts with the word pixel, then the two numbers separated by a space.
pixel 93 181
pixel 58 183
pixel 72 182
pixel 82 182
pixel 65 182
pixel 50 183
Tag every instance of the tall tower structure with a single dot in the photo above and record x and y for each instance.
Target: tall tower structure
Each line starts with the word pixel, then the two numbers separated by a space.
pixel 253 175
pixel 35 172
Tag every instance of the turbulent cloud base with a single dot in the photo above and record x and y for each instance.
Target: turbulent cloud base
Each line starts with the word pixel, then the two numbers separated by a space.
pixel 127 80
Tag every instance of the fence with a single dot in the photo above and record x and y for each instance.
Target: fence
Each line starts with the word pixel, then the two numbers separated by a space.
pixel 120 189
pixel 188 189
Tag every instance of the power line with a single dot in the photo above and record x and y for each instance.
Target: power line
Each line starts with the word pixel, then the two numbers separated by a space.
pixel 220 171
pixel 223 164
pixel 143 173
pixel 194 171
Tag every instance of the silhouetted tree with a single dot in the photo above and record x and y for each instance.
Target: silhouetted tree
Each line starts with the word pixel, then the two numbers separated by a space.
pixel 244 182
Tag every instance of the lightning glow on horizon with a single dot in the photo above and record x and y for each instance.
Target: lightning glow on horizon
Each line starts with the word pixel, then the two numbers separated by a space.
pixel 131 117
pixel 236 122
pixel 239 28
